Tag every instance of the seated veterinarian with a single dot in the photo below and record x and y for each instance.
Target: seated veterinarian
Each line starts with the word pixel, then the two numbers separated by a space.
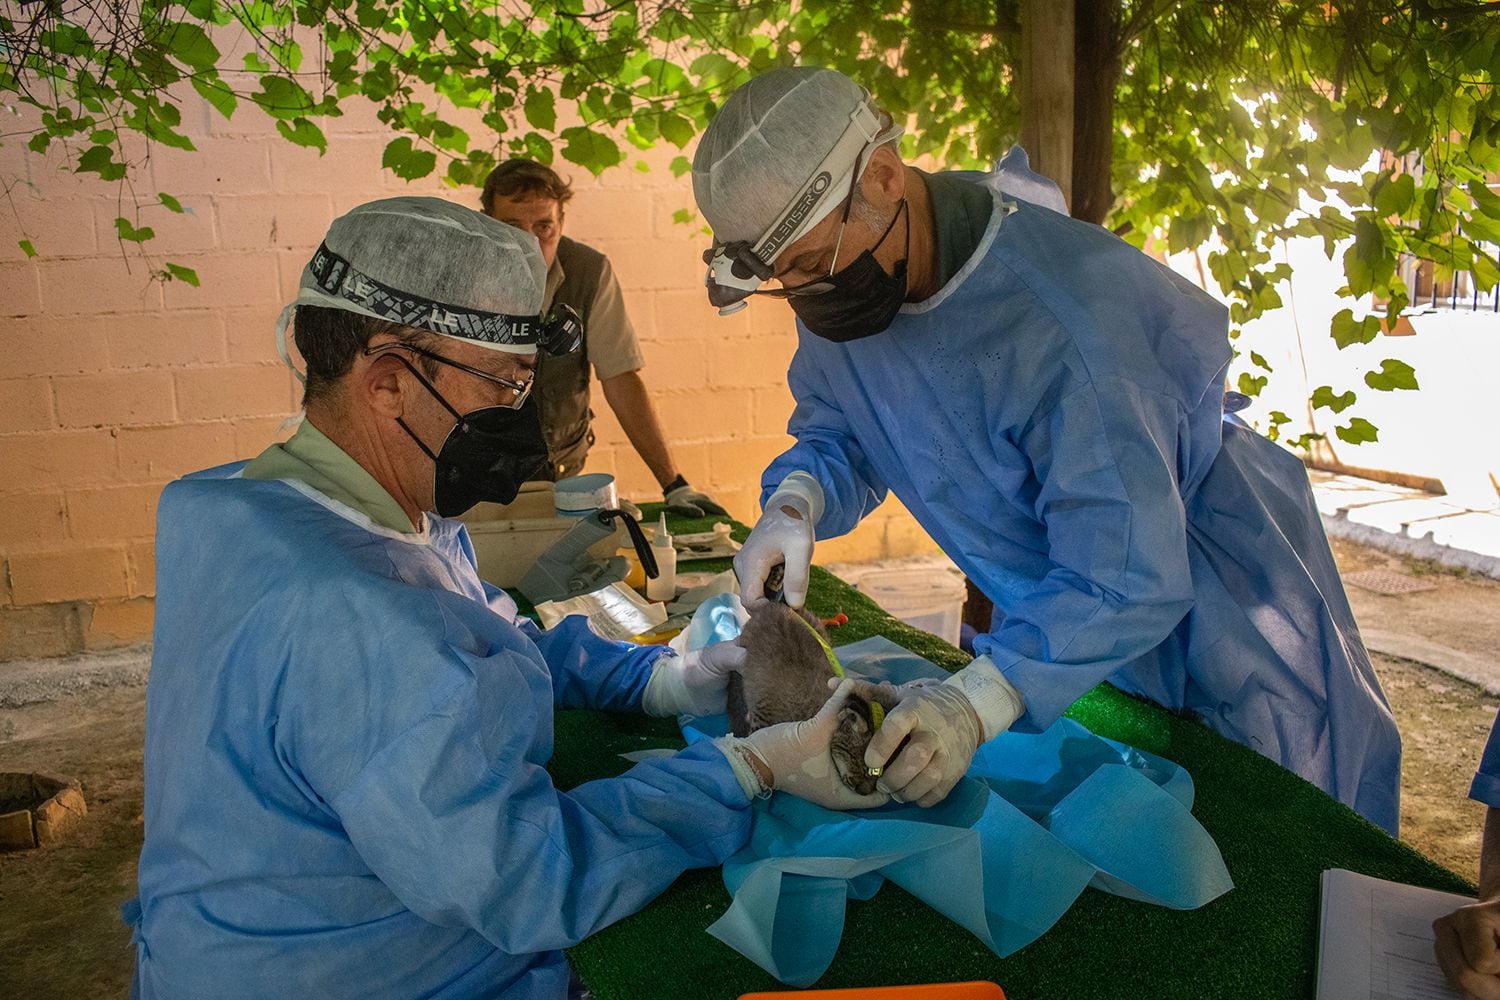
pixel 347 731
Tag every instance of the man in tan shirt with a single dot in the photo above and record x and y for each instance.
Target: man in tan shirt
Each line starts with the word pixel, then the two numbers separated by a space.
pixel 531 197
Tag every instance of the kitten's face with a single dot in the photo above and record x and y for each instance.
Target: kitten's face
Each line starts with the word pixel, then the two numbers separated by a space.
pixel 848 746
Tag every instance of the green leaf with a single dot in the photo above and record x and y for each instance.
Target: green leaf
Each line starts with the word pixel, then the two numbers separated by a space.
pixel 100 160
pixel 540 108
pixel 405 162
pixel 1259 361
pixel 588 148
pixel 1251 385
pixel 169 202
pixel 181 273
pixel 39 142
pixel 131 234
pixel 1357 431
pixel 191 46
pixel 1347 330
pixel 217 94
pixel 1485 200
pixel 1188 232
pixel 683 217
pixel 27 248
pixel 1393 374
pixel 283 98
pixel 301 132
pixel 1323 397
pixel 677 130
pixel 1396 196
pixel 680 165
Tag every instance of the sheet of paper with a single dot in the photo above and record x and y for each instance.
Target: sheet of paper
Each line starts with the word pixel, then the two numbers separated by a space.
pixel 1375 939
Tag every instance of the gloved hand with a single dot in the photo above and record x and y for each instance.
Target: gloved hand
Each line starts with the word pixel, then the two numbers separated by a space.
pixel 1468 949
pixel 946 723
pixel 783 536
pixel 693 684
pixel 794 757
pixel 684 501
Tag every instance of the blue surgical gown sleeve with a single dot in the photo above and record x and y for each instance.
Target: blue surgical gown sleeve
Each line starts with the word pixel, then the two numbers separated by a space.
pixel 1486 786
pixel 1104 463
pixel 588 670
pixel 826 450
pixel 458 817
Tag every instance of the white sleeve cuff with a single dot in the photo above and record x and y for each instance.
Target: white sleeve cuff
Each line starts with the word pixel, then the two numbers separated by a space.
pixel 666 689
pixel 996 701
pixel 804 487
pixel 744 771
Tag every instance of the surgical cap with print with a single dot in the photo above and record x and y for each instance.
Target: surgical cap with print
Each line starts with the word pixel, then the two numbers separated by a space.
pixel 431 265
pixel 770 138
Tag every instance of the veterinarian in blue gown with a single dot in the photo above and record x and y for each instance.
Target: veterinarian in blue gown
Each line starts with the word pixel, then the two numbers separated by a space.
pixel 347 731
pixel 1048 402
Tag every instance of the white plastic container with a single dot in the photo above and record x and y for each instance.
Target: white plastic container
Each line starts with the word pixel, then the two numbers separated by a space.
pixel 508 539
pixel 930 599
pixel 663 586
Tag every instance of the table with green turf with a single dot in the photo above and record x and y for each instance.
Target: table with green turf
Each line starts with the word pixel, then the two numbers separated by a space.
pixel 1277 834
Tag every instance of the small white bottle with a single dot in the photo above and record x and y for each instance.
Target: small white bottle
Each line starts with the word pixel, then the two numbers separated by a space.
pixel 663 587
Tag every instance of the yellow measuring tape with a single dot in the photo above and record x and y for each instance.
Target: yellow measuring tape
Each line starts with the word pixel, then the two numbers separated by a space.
pixel 877 711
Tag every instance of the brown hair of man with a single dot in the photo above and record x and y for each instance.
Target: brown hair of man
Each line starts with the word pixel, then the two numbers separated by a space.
pixel 520 178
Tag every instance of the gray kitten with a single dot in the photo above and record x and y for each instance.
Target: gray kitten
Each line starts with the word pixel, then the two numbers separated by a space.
pixel 785 679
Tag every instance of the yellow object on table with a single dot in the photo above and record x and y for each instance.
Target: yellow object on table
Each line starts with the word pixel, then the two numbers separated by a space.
pixel 635 573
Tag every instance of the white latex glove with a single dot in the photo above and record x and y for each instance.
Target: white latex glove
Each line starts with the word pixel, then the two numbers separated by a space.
pixel 783 536
pixel 1467 949
pixel 684 501
pixel 946 723
pixel 693 684
pixel 794 757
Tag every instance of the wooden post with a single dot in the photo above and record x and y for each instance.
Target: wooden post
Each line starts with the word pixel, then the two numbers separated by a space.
pixel 1047 40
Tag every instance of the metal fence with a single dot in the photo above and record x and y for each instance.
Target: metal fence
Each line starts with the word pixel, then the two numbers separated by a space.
pixel 1458 293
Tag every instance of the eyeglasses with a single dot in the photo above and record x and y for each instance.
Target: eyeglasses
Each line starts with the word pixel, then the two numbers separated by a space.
pixel 521 389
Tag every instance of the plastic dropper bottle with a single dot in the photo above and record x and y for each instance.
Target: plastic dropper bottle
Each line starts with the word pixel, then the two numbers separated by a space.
pixel 664 586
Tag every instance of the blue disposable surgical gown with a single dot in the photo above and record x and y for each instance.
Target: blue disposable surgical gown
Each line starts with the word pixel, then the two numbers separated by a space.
pixel 346 733
pixel 1486 785
pixel 1053 417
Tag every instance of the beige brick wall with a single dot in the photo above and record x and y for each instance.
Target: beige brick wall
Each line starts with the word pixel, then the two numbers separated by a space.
pixel 112 384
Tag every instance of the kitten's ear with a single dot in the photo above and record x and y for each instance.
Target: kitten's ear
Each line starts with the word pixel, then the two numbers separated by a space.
pixel 854 717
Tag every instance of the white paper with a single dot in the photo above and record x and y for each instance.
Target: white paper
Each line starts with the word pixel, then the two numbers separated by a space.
pixel 1375 939
pixel 615 612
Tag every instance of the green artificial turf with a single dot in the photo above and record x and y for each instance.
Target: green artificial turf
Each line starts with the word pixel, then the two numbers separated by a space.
pixel 1277 834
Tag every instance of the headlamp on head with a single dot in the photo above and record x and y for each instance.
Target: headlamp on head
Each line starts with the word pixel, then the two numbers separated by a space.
pixel 736 269
pixel 734 272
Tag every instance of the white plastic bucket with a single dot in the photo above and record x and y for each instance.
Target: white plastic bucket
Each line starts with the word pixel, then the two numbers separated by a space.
pixel 928 599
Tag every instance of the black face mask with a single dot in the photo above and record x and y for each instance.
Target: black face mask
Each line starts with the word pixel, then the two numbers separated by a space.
pixel 863 299
pixel 487 456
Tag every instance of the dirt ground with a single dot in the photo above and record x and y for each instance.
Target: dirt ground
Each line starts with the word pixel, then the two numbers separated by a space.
pixel 61 935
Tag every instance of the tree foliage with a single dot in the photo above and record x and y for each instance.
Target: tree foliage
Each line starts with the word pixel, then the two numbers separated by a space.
pixel 1373 125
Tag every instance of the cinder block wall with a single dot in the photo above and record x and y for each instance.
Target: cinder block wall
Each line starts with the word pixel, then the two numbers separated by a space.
pixel 113 383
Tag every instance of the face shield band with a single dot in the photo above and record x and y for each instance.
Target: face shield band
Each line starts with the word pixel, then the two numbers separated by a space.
pixel 340 279
pixel 737 269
